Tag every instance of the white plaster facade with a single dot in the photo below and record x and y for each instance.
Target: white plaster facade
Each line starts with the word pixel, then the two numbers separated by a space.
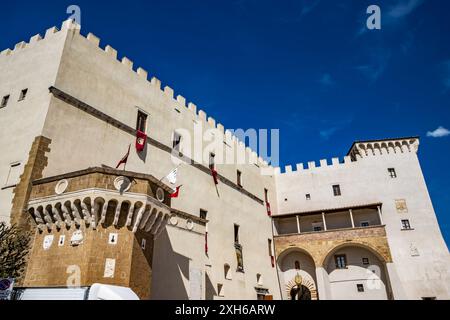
pixel 421 262
pixel 91 74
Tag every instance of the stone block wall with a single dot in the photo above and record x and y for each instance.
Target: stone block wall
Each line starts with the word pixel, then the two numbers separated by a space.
pixel 58 265
pixel 37 161
pixel 320 244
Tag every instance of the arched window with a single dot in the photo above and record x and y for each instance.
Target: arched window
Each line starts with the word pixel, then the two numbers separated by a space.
pixel 297 265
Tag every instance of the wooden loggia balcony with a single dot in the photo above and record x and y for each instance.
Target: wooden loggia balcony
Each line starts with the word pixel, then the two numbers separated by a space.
pixel 348 220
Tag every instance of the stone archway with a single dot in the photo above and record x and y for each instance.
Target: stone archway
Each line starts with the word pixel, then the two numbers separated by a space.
pixel 356 272
pixel 383 254
pixel 308 283
pixel 293 264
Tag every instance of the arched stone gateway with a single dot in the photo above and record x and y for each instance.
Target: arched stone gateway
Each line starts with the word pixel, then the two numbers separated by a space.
pixel 301 288
pixel 297 271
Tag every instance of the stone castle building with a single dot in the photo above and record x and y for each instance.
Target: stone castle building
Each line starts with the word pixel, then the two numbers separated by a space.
pixel 361 228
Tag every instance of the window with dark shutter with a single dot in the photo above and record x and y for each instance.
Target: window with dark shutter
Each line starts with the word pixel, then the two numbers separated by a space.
pixel 337 190
pixel 5 100
pixel 341 261
pixel 392 173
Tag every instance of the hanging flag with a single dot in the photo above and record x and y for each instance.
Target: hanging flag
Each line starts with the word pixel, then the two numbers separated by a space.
pixel 214 175
pixel 124 159
pixel 269 212
pixel 172 176
pixel 141 139
pixel 176 192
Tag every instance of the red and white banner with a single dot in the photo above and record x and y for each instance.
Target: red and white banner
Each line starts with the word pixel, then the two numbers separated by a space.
pixel 141 139
pixel 214 175
pixel 125 158
pixel 176 192
pixel 269 212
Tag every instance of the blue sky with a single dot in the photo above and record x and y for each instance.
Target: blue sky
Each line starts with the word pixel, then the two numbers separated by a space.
pixel 309 68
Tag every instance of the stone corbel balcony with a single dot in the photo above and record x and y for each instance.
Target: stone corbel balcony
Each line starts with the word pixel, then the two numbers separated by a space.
pixel 100 196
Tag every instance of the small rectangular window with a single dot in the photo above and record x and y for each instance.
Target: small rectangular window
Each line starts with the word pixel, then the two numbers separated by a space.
pixel 236 233
pixel 203 214
pixel 428 298
pixel 360 287
pixel 365 261
pixel 23 94
pixel 239 178
pixel 141 123
pixel 341 261
pixel 212 164
pixel 405 224
pixel 392 173
pixel 364 223
pixel 266 195
pixel 239 257
pixel 4 101
pixel 337 190
pixel 308 196
pixel 269 244
pixel 176 141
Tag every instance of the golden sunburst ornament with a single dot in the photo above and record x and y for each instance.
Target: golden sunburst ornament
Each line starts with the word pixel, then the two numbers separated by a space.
pixel 298 280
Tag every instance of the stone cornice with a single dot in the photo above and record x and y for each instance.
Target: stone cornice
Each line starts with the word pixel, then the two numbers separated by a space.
pixel 120 125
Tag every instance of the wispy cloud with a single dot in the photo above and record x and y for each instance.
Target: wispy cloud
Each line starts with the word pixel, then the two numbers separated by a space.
pixel 438 133
pixel 308 6
pixel 300 9
pixel 393 14
pixel 407 43
pixel 403 8
pixel 327 133
pixel 326 80
pixel 337 125
pixel 376 65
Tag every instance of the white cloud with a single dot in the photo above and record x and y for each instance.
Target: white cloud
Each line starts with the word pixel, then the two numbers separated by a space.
pixel 404 8
pixel 327 133
pixel 438 133
pixel 377 63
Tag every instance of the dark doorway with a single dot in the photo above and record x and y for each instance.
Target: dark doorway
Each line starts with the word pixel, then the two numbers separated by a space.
pixel 300 293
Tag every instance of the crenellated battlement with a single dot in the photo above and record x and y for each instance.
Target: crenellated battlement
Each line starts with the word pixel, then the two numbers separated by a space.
pixel 359 150
pixel 369 148
pixel 178 100
pixel 311 165
pixel 49 33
